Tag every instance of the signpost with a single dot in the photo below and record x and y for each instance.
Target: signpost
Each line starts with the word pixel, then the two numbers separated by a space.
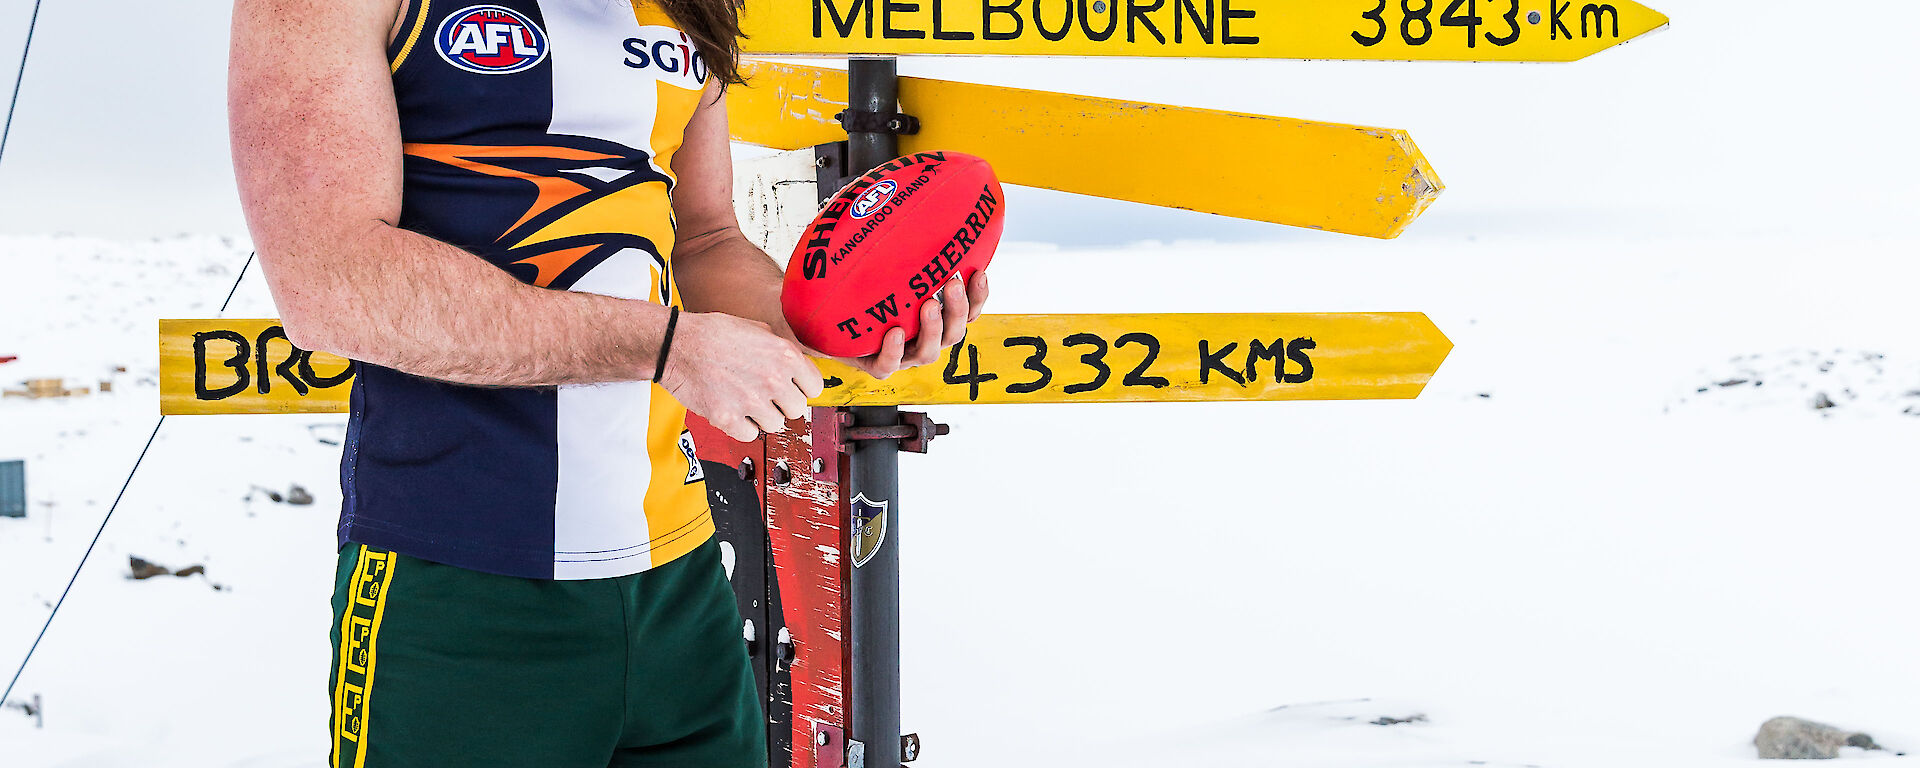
pixel 1350 179
pixel 811 516
pixel 247 366
pixel 1397 30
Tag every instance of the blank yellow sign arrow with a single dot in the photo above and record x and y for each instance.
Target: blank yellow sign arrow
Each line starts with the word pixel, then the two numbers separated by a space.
pixel 1405 30
pixel 247 366
pixel 1342 178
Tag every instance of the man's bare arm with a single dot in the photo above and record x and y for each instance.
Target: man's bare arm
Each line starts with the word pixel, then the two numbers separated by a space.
pixel 317 151
pixel 716 267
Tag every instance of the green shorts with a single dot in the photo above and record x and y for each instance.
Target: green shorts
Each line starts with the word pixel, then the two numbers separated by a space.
pixel 443 666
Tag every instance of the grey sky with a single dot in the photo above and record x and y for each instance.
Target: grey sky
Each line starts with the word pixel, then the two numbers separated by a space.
pixel 1739 119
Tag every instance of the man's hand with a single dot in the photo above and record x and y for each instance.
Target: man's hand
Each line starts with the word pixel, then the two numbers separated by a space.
pixel 738 374
pixel 943 323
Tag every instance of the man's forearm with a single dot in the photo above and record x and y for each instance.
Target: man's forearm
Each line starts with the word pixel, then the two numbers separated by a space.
pixel 722 271
pixel 406 301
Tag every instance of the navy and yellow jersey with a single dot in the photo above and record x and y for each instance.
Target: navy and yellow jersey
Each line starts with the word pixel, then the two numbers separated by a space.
pixel 539 136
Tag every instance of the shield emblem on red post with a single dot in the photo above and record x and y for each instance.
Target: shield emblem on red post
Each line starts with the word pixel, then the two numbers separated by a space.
pixel 869 528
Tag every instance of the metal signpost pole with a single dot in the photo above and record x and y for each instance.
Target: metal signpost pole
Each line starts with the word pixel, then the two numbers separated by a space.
pixel 872 492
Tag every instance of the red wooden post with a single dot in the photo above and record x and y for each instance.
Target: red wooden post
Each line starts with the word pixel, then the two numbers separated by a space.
pixel 809 545
pixel 799 615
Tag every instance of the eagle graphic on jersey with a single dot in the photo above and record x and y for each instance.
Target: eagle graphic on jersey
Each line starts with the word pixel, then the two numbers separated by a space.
pixel 588 202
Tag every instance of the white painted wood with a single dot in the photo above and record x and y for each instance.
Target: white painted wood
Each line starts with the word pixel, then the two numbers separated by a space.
pixel 774 199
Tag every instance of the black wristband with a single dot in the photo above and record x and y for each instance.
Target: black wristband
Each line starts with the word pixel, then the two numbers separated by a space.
pixel 666 345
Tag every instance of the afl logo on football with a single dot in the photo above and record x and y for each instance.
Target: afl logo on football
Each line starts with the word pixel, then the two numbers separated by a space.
pixel 491 40
pixel 871 200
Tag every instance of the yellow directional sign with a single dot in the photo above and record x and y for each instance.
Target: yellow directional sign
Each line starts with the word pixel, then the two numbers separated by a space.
pixel 1439 30
pixel 247 366
pixel 1166 358
pixel 1342 178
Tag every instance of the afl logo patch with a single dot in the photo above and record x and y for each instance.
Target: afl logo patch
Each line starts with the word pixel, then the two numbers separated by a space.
pixel 490 40
pixel 871 200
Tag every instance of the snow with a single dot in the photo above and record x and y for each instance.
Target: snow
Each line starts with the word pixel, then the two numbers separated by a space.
pixel 1563 554
pixel 163 671
pixel 1584 569
pixel 1595 566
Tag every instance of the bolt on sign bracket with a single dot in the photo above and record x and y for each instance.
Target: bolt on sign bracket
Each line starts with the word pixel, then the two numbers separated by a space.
pixel 829 746
pixel 829 170
pixel 825 427
pixel 862 121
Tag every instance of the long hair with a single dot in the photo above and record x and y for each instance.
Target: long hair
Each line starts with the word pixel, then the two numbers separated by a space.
pixel 714 26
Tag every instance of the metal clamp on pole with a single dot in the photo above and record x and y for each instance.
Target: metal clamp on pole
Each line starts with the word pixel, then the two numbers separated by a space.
pixel 914 431
pixel 834 433
pixel 863 121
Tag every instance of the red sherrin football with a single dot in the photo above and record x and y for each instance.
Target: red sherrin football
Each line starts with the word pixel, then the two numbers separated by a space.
pixel 885 244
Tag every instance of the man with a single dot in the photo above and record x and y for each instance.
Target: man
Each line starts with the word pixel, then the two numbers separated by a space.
pixel 500 208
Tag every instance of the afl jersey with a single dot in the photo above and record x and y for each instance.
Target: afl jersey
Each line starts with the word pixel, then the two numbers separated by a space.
pixel 539 135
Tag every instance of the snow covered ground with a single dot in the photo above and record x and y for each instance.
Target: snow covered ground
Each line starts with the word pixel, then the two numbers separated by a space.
pixel 1583 546
pixel 1594 565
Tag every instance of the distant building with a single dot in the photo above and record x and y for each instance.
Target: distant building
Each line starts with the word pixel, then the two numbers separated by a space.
pixel 13 488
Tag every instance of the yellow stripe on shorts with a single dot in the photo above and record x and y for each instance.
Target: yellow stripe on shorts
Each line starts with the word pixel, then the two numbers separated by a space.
pixel 359 641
